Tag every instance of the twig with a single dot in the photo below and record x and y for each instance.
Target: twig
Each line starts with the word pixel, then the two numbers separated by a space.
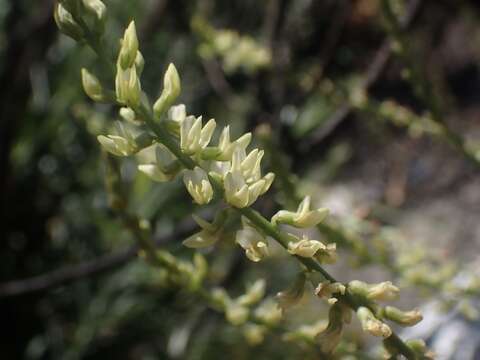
pixel 373 72
pixel 66 275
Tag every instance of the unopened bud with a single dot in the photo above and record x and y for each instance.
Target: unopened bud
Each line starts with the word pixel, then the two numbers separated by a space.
pixel 405 318
pixel 171 90
pixel 66 24
pixel 128 51
pixel 92 86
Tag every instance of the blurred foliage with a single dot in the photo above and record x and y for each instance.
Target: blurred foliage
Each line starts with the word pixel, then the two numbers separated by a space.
pixel 298 63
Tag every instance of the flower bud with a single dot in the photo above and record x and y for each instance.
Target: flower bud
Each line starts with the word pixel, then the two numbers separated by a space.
pixel 254 294
pixel 98 9
pixel 384 291
pixel 254 334
pixel 129 48
pixel 66 24
pixel 117 145
pixel 268 312
pixel 128 114
pixel 171 91
pixel 371 324
pixel 420 349
pixel 303 217
pixel 236 314
pixel 127 86
pixel 198 185
pixel 92 86
pixel 405 318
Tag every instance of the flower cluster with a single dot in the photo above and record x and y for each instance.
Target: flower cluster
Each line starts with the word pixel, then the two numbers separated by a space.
pixel 182 146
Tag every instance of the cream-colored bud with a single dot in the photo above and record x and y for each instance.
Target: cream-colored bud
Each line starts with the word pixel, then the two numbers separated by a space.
pixel 254 334
pixel 117 145
pixel 198 185
pixel 303 217
pixel 98 9
pixel 128 114
pixel 268 312
pixel 254 294
pixel 383 291
pixel 127 86
pixel 129 48
pixel 139 63
pixel 254 244
pixel 236 314
pixel 171 91
pixel 405 318
pixel 66 24
pixel 92 86
pixel 371 324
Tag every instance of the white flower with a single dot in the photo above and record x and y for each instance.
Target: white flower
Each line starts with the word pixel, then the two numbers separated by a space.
pixel 198 185
pixel 227 147
pixel 171 90
pixel 194 137
pixel 254 244
pixel 303 217
pixel 165 168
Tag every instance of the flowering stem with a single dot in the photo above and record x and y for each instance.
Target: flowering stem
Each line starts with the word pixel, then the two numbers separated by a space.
pixel 255 217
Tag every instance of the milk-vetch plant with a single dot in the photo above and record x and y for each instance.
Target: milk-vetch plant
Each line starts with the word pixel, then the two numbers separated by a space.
pixel 227 170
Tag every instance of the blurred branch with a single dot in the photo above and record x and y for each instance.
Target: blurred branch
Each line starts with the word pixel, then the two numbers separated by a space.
pixel 372 74
pixel 422 87
pixel 68 274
